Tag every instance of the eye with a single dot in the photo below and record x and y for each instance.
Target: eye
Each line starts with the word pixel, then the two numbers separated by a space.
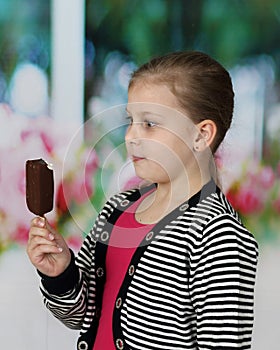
pixel 129 120
pixel 149 124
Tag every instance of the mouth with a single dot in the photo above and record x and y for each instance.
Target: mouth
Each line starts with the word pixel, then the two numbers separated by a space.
pixel 136 159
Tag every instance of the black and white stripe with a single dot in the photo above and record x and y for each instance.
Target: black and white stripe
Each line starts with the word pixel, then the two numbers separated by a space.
pixel 193 286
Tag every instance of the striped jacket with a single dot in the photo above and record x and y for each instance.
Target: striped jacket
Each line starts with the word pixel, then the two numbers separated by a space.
pixel 190 283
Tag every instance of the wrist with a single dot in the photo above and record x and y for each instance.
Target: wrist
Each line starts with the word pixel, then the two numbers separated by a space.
pixel 63 282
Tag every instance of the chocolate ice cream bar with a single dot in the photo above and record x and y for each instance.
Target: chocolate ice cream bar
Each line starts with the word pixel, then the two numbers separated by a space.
pixel 39 186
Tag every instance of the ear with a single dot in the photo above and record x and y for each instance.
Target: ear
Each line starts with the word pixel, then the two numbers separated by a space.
pixel 207 131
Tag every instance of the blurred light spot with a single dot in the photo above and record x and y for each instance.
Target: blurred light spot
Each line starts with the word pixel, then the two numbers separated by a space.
pixel 29 90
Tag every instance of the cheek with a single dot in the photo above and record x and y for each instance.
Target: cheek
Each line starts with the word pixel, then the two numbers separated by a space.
pixel 155 149
pixel 167 156
pixel 177 157
pixel 175 147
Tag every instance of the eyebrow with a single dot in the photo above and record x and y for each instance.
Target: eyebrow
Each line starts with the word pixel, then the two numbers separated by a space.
pixel 145 113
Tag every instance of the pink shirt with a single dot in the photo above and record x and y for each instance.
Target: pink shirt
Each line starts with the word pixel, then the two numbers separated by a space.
pixel 126 236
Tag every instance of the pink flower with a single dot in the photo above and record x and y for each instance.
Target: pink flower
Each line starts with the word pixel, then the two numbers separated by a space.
pixel 78 186
pixel 232 197
pixel 72 191
pixel 21 234
pixel 61 203
pixel 81 189
pixel 248 201
pixel 75 242
pixel 266 177
pixel 48 142
pixel 91 161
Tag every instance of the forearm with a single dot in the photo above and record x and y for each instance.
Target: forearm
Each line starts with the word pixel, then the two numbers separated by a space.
pixel 64 295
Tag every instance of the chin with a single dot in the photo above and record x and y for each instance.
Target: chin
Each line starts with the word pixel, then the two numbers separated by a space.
pixel 150 178
pixel 151 173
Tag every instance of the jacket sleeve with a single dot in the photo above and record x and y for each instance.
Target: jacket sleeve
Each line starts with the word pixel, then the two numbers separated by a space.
pixel 67 295
pixel 222 279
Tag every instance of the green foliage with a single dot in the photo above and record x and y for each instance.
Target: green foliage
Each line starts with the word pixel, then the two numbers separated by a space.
pixel 240 28
pixel 24 34
pixel 136 28
pixel 228 29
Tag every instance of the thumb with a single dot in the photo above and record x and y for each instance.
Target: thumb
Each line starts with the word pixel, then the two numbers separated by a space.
pixel 39 222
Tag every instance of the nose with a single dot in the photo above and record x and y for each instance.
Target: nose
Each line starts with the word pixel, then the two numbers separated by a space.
pixel 132 135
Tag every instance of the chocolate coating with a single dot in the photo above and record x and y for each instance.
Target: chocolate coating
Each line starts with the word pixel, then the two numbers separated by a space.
pixel 39 187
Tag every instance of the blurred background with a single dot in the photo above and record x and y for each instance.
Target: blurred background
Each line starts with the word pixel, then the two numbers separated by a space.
pixel 64 70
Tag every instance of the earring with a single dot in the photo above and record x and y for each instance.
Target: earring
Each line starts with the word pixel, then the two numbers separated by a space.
pixel 196 148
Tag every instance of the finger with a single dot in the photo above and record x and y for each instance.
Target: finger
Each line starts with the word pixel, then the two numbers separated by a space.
pixel 38 221
pixel 42 232
pixel 39 246
pixel 43 249
pixel 51 229
pixel 39 240
pixel 54 235
pixel 42 256
pixel 41 227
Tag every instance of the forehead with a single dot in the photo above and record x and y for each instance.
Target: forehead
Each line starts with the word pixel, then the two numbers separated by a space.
pixel 145 98
pixel 144 91
pixel 150 98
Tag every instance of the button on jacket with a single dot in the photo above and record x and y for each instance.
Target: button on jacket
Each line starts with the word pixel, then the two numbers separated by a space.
pixel 189 285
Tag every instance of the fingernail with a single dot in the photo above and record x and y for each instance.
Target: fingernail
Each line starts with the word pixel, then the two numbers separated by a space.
pixel 51 236
pixel 60 249
pixel 41 222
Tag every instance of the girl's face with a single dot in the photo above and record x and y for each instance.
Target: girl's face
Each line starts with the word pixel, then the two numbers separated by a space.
pixel 159 138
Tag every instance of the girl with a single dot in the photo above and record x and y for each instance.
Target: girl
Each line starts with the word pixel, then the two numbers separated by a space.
pixel 170 265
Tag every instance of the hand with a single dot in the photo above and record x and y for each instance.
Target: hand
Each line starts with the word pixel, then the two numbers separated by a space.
pixel 47 250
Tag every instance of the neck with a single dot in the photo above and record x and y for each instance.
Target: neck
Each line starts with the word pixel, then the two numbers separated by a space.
pixel 177 191
pixel 167 197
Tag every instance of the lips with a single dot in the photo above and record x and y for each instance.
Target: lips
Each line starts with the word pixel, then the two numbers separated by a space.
pixel 136 158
